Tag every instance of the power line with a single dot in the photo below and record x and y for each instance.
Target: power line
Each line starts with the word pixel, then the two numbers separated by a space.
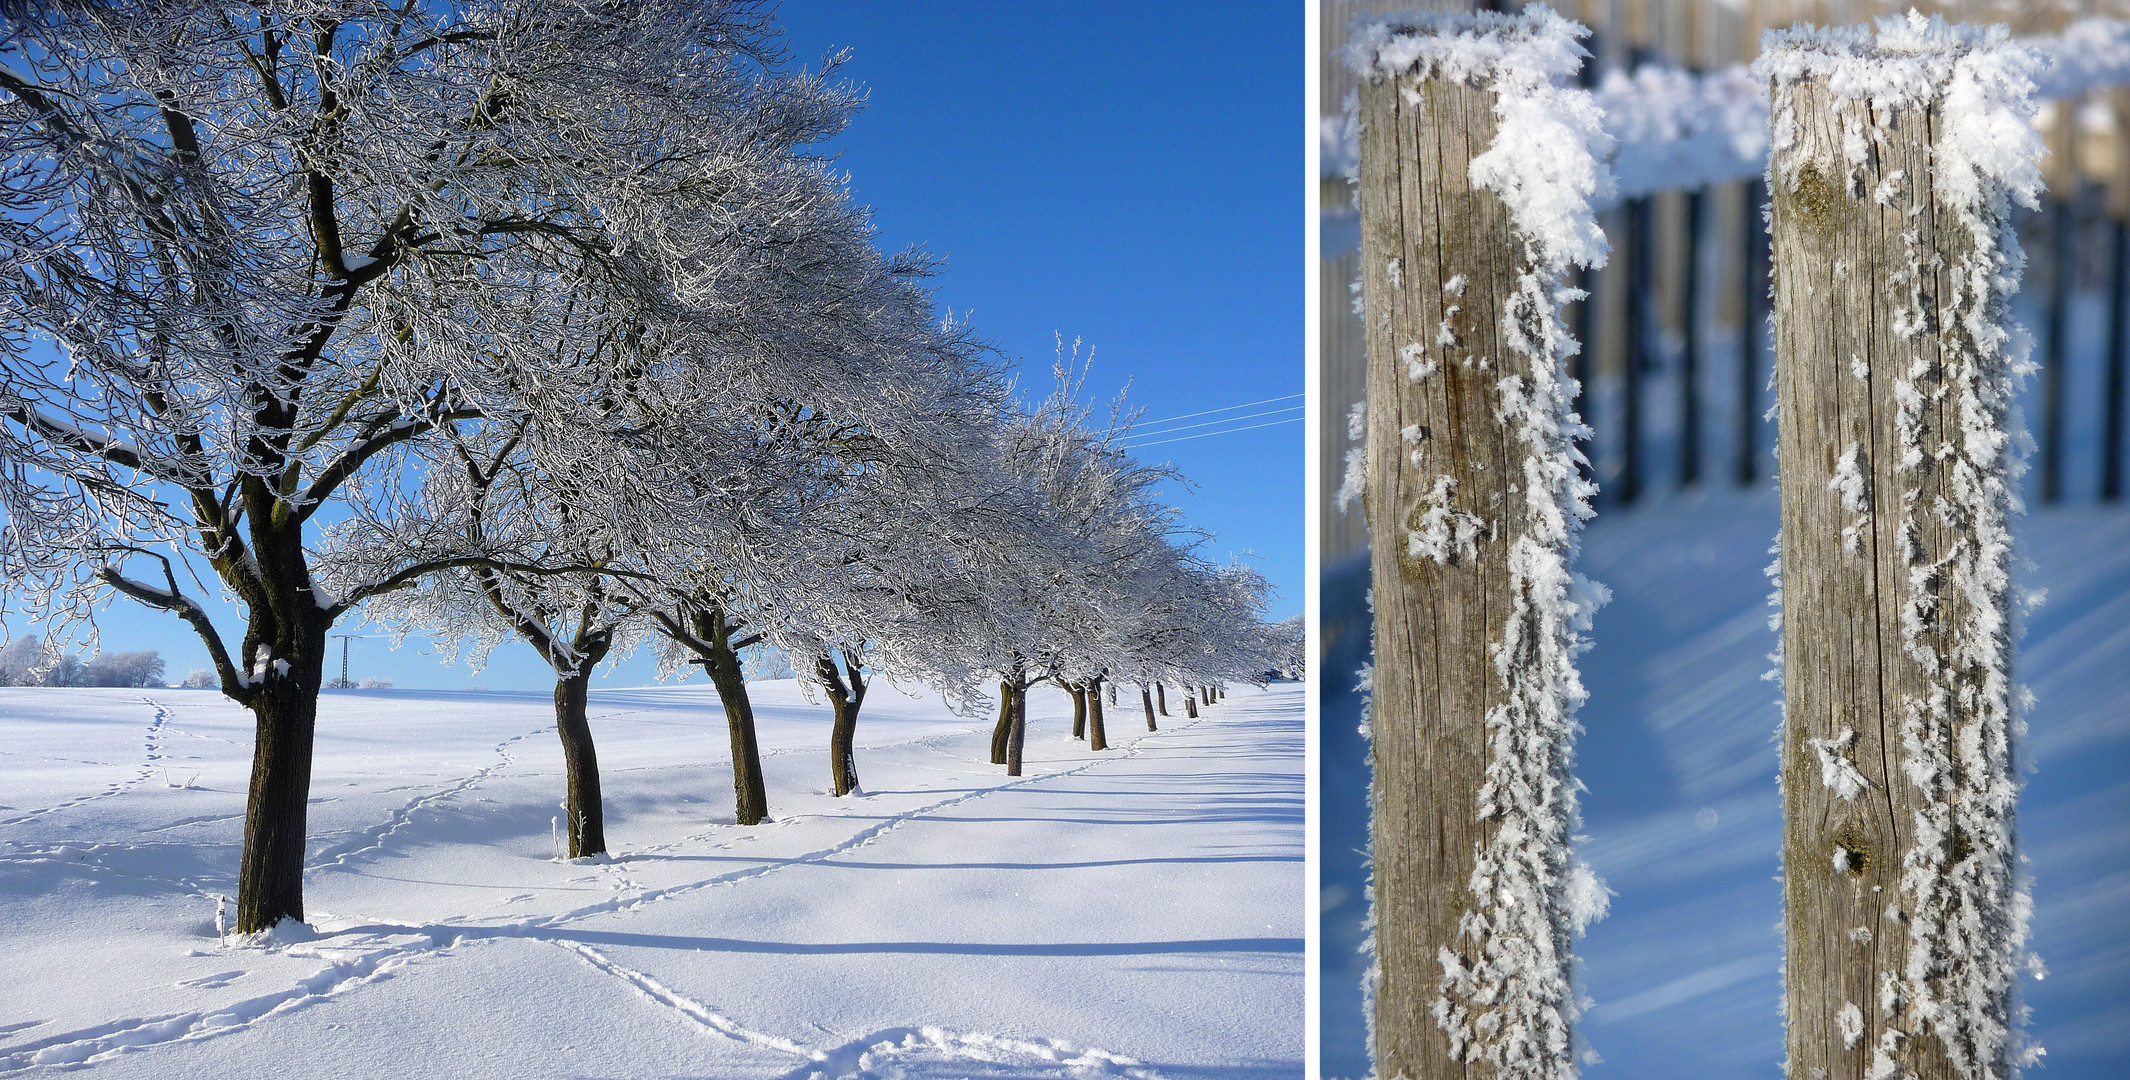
pixel 1210 434
pixel 1209 412
pixel 1222 420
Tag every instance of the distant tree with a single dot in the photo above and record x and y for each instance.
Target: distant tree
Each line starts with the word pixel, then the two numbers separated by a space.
pixel 142 668
pixel 374 683
pixel 200 679
pixel 766 662
pixel 20 660
pixel 62 670
pixel 1290 641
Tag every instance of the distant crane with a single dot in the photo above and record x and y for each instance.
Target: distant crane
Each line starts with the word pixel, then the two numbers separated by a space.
pixel 344 684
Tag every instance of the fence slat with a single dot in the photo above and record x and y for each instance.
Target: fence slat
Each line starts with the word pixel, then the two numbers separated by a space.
pixel 1627 486
pixel 1690 344
pixel 2111 424
pixel 2062 255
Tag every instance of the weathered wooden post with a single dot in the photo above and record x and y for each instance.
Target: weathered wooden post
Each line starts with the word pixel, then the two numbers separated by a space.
pixel 1478 163
pixel 1898 150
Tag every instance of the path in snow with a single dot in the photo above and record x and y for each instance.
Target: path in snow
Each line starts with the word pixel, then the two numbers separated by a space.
pixel 1135 913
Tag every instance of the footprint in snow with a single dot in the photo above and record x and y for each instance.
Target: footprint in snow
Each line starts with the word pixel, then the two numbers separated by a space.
pixel 210 982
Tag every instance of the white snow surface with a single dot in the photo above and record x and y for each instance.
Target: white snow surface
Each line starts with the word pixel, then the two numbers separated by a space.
pixel 1134 913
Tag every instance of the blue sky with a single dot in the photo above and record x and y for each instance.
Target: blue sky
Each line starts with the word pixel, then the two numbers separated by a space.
pixel 1132 176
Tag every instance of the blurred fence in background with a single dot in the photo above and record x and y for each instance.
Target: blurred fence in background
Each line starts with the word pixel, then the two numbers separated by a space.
pixel 1676 361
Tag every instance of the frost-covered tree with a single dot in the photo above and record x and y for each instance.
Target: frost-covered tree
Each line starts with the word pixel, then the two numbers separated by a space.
pixel 531 569
pixel 139 668
pixel 21 659
pixel 1104 584
pixel 899 575
pixel 251 255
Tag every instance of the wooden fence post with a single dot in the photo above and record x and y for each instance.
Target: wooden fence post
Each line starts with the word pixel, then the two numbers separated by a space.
pixel 1895 368
pixel 1477 164
pixel 1689 443
pixel 1640 275
pixel 2112 391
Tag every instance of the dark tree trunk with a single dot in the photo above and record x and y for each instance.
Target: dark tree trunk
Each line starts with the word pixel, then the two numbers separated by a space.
pixel 1096 738
pixel 1161 697
pixel 1146 698
pixel 1190 705
pixel 1003 730
pixel 750 799
pixel 1018 735
pixel 585 813
pixel 845 697
pixel 270 876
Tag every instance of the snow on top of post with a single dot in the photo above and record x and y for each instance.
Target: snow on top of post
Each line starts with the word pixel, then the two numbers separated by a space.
pixel 1980 81
pixel 1547 160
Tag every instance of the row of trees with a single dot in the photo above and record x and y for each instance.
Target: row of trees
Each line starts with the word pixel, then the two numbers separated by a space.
pixel 532 322
pixel 24 661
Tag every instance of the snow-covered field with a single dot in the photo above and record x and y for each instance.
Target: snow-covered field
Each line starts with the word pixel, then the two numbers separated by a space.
pixel 1684 821
pixel 1134 913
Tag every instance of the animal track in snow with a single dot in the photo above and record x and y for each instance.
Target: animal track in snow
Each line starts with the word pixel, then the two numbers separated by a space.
pixel 152 756
pixel 374 837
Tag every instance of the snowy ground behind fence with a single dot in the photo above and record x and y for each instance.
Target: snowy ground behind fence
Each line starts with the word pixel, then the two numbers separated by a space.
pixel 1684 820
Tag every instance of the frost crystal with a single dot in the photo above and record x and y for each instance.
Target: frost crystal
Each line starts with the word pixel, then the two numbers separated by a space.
pixel 1355 483
pixel 1417 364
pixel 1851 1023
pixel 1443 534
pixel 1835 769
pixel 1855 491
